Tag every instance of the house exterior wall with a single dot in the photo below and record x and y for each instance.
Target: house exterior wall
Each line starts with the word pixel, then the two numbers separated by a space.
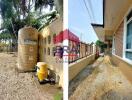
pixel 46 46
pixel 125 67
pixel 119 44
pixel 119 40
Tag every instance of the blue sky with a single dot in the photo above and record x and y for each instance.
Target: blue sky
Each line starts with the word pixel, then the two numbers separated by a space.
pixel 80 18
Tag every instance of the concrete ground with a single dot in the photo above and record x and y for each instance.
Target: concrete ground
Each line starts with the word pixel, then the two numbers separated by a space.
pixel 100 81
pixel 22 86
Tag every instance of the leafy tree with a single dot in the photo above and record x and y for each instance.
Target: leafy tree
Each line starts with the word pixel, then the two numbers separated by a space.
pixel 16 14
pixel 101 44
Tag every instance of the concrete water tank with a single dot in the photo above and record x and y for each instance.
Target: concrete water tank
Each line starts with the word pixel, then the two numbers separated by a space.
pixel 27 48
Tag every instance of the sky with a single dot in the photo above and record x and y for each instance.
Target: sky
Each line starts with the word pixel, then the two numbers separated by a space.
pixel 80 18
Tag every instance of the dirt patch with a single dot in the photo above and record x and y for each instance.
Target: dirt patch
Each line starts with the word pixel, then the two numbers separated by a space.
pixel 21 86
pixel 87 71
pixel 105 83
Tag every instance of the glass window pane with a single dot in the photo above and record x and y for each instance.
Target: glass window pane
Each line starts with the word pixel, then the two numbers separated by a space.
pixel 129 36
pixel 129 15
pixel 129 55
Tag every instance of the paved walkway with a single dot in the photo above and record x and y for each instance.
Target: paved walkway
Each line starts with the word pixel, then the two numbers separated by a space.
pixel 105 82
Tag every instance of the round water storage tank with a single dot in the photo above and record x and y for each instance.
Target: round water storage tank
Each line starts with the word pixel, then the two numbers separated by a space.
pixel 27 48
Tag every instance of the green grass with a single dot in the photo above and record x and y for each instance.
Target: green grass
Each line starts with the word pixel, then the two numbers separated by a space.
pixel 58 96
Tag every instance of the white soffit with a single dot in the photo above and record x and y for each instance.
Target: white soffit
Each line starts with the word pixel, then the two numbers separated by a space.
pixel 114 12
pixel 100 32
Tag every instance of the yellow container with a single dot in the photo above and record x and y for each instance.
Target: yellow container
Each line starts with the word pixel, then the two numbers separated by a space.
pixel 42 71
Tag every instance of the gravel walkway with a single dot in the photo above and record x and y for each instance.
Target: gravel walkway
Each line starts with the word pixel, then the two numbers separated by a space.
pixel 21 86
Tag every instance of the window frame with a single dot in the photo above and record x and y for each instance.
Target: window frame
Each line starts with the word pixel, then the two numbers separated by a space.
pixel 126 22
pixel 113 45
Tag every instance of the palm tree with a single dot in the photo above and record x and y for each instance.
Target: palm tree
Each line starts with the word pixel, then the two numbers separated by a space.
pixel 18 13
